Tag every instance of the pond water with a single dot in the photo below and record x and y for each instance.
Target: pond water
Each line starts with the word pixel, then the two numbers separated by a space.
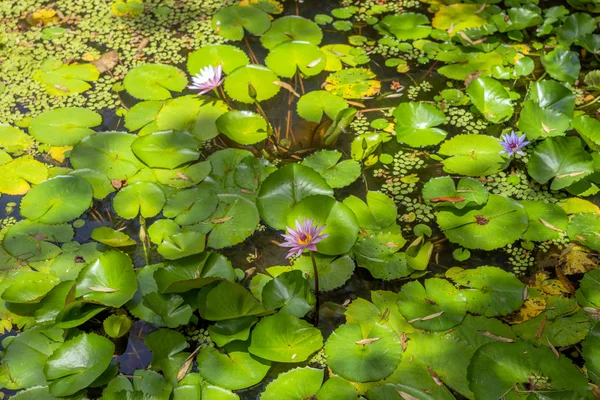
pixel 142 223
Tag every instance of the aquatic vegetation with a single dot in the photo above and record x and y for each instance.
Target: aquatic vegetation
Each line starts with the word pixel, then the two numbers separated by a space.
pixel 434 166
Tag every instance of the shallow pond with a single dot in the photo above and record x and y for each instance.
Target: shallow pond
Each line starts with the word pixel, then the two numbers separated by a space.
pixel 154 152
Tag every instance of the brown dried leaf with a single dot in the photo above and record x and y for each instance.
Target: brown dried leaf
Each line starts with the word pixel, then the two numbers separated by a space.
pixel 102 289
pixel 556 353
pixel 549 225
pixel 540 329
pixel 406 396
pixel 432 316
pixel 448 199
pixel 107 61
pixel 565 281
pixel 186 365
pixel 496 337
pixel 435 377
pixel 368 340
pixel 220 220
pixel 287 86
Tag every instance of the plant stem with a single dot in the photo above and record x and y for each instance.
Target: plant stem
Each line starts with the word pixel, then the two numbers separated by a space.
pixel 590 103
pixel 143 239
pixel 316 273
pixel 262 113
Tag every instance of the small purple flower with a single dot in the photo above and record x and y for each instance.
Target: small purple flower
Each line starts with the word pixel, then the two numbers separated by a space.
pixel 304 237
pixel 512 143
pixel 208 79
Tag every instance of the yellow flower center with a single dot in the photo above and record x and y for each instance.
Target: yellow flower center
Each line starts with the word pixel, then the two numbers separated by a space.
pixel 305 239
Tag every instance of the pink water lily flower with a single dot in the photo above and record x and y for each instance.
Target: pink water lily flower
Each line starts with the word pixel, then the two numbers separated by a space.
pixel 208 79
pixel 304 237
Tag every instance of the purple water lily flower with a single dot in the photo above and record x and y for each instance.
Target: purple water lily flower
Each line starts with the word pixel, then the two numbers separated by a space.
pixel 513 143
pixel 304 237
pixel 208 79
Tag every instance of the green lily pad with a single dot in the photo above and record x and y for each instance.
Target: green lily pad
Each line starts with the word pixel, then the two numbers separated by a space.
pixel 36 241
pixel 20 173
pixel 234 369
pixel 560 331
pixel 64 126
pixel 251 172
pixel 291 28
pixel 191 206
pixel 489 291
pixel 243 127
pixel 298 383
pixel 589 130
pixel 457 17
pixel 361 358
pixel 144 198
pixel 14 140
pixel 261 78
pixel 437 306
pixel 339 55
pixel 57 200
pixel 28 286
pixel 491 99
pixel 77 363
pixel 117 326
pixel 109 280
pixel 168 353
pixel 111 237
pixel 380 254
pixel 383 310
pixel 65 79
pixel 546 220
pixel 235 219
pixel 154 81
pixel 289 292
pixel 227 300
pixel 500 222
pixel 583 228
pixel 101 186
pixel 379 212
pixel 230 22
pixel 228 57
pixel 340 222
pixel 289 57
pixel 473 155
pixel 416 122
pixel 227 331
pixel 562 159
pixel 168 310
pixel 562 64
pixel 109 153
pixel 333 271
pixel 442 192
pixel 142 116
pixel 182 244
pixel 405 26
pixel 168 149
pixel 284 338
pixel 590 352
pixel 353 83
pixel 313 105
pixel 286 187
pixel 337 175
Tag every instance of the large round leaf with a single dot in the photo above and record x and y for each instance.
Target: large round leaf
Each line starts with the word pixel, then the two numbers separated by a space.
pixel 291 27
pixel 285 338
pixel 473 155
pixel 437 306
pixel 235 219
pixel 228 57
pixel 27 286
pixel 191 206
pixel 64 126
pixel 353 83
pixel 261 78
pixel 234 369
pixel 313 105
pixel 458 17
pixel 490 291
pixel 227 300
pixel 500 369
pixel 340 222
pixel 230 21
pixel 109 280
pixel 562 64
pixel 144 198
pixel 379 212
pixel 333 271
pixel 337 175
pixel 168 149
pixel 109 153
pixel 57 200
pixel 288 57
pixel 546 220
pixel 583 228
pixel 243 127
pixel 19 173
pixel 38 241
pixel 290 292
pixel 298 383
pixel 363 358
pixel 286 187
pixel 14 140
pixel 415 124
pixel 591 353
pixel 78 363
pixel 500 222
pixel 589 130
pixel 405 26
pixel 491 99
pixel 561 158
pixel 442 192
pixel 154 81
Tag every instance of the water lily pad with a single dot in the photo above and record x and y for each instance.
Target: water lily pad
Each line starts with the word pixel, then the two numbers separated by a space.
pixel 333 271
pixel 227 300
pixel 19 173
pixel 77 363
pixel 437 306
pixel 340 222
pixel 583 228
pixel 228 57
pixel 111 237
pixel 442 192
pixel 36 241
pixel 57 200
pixel 227 331
pixel 290 292
pixel 500 222
pixel 416 122
pixel 380 254
pixel 14 140
pixel 379 212
pixel 590 353
pixel 353 83
pixel 473 155
pixel 117 326
pixel 261 78
pixel 64 126
pixel 109 153
pixel 284 338
pixel 168 149
pixel 191 206
pixel 28 286
pixel 251 172
pixel 288 57
pixel 298 383
pixel 361 358
pixel 491 99
pixel 243 127
pixel 154 81
pixel 101 186
pixel 313 105
pixel 337 175
pixel 562 159
pixel 235 219
pixel 562 64
pixel 234 369
pixel 286 187
pixel 291 28
pixel 589 130
pixel 405 26
pixel 109 280
pixel 65 79
pixel 489 291
pixel 457 17
pixel 546 220
pixel 339 55
pixel 144 198
pixel 230 22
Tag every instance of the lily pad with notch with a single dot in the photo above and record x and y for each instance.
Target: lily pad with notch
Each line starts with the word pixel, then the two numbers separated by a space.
pixel 259 77
pixel 154 81
pixel 442 192
pixel 336 174
pixel 291 28
pixel 289 57
pixel 169 149
pixel 416 122
pixel 230 22
pixel 243 127
pixel 227 56
pixel 473 155
pixel 64 126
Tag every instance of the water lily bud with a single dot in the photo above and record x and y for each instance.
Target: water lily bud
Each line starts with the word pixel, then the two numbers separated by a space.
pixel 252 91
